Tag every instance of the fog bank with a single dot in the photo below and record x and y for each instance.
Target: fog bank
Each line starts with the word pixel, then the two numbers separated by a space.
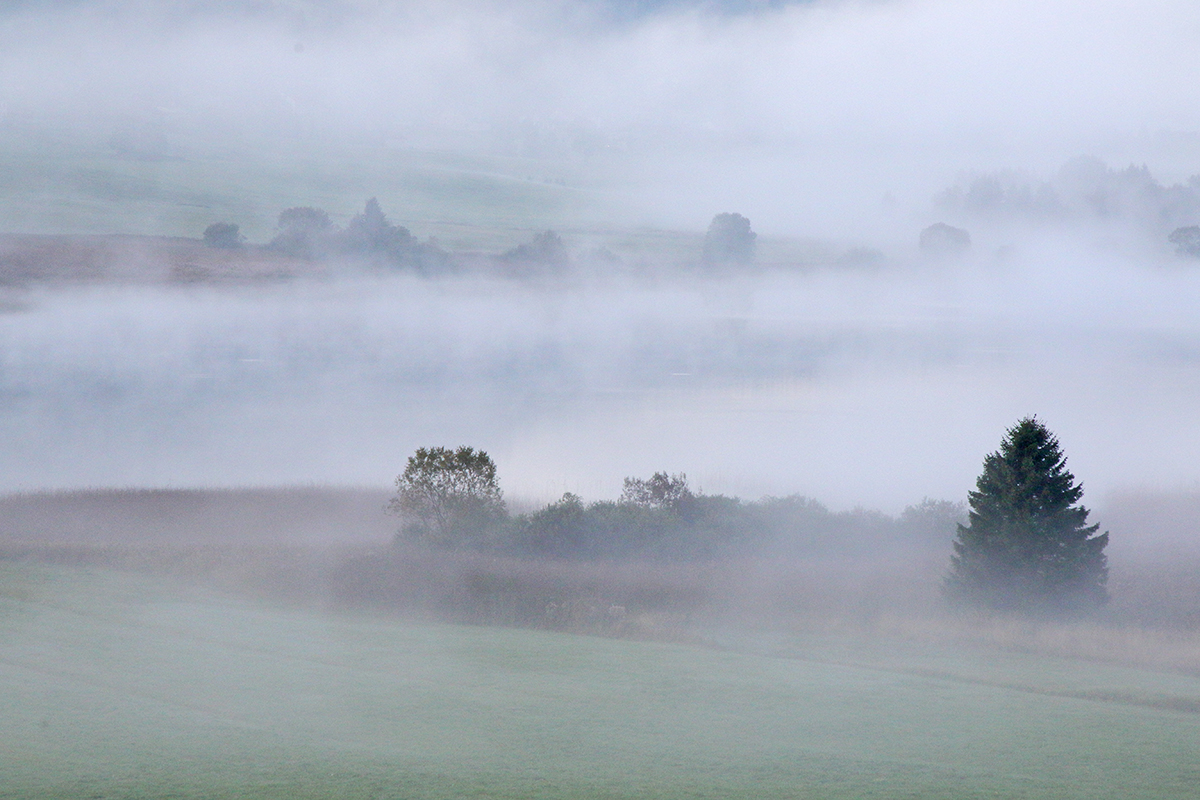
pixel 801 115
pixel 871 387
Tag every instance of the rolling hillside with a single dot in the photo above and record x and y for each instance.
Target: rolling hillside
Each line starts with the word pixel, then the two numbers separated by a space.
pixel 118 685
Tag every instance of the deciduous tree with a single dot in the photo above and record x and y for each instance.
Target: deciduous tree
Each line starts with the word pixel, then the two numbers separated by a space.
pixel 944 240
pixel 224 235
pixel 546 252
pixel 661 491
pixel 304 232
pixel 729 240
pixel 1186 240
pixel 448 497
pixel 370 233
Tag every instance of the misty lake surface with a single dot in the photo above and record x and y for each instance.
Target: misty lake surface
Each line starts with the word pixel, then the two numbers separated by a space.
pixel 124 685
pixel 818 382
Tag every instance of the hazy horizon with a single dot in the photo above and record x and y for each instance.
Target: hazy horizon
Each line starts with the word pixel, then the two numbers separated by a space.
pixel 802 116
pixel 873 387
pixel 830 125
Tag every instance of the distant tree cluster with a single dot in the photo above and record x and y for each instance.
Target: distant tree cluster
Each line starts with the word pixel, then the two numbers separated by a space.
pixel 1025 543
pixel 942 240
pixel 1084 188
pixel 223 235
pixel 309 233
pixel 304 232
pixel 1186 240
pixel 451 498
pixel 729 240
pixel 545 253
pixel 659 518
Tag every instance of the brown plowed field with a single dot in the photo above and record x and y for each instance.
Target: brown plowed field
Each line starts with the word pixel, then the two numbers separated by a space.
pixel 27 259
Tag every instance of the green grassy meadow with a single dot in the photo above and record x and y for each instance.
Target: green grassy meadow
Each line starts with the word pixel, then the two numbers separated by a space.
pixel 53 182
pixel 85 187
pixel 124 685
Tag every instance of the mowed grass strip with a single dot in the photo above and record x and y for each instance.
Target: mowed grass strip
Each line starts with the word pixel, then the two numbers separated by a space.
pixel 119 685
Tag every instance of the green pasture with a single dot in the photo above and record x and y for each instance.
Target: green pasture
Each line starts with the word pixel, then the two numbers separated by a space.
pixel 56 183
pixel 71 186
pixel 119 685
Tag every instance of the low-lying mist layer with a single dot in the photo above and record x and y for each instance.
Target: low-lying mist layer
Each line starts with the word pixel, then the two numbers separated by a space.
pixel 808 571
pixel 800 115
pixel 873 387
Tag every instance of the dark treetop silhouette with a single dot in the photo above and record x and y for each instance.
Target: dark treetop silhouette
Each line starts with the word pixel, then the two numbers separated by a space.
pixel 448 497
pixel 1027 545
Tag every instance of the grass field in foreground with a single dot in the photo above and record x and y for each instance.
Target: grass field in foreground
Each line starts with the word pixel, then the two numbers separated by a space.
pixel 119 685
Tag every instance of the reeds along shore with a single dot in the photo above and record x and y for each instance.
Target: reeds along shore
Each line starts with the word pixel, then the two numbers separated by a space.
pixel 331 549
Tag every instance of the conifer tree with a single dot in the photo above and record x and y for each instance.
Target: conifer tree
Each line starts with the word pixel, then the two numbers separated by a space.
pixel 1027 544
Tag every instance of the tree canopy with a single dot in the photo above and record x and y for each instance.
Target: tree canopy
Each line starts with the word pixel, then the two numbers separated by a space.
pixel 1186 240
pixel 546 252
pixel 1027 544
pixel 370 233
pixel 662 491
pixel 304 232
pixel 940 239
pixel 729 240
pixel 448 497
pixel 223 235
pixel 451 499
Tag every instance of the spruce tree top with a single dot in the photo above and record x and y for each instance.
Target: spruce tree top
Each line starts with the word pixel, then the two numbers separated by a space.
pixel 1027 544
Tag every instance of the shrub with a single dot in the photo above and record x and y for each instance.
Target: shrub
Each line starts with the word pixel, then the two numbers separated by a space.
pixel 223 235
